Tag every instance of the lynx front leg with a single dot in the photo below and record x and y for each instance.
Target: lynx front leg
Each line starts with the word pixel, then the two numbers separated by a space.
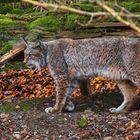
pixel 128 90
pixel 61 95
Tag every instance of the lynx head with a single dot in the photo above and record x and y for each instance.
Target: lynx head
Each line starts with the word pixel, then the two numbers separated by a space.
pixel 35 54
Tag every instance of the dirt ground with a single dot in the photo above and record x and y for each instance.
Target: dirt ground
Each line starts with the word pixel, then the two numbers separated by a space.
pixel 25 94
pixel 34 124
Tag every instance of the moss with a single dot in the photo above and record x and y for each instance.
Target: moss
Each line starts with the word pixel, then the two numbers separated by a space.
pixel 7 46
pixel 25 105
pixel 7 108
pixel 70 22
pixel 13 107
pixel 51 23
pixel 5 9
pixel 5 49
pixel 110 19
pixel 14 65
pixel 17 11
pixel 21 11
pixel 7 23
pixel 87 7
pixel 131 6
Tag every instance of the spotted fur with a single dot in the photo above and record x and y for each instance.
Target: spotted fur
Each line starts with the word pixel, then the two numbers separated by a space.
pixel 70 60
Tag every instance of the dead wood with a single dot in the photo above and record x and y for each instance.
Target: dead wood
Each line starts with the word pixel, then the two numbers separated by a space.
pixel 12 53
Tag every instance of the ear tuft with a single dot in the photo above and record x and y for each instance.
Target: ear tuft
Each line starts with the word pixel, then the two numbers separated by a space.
pixel 25 41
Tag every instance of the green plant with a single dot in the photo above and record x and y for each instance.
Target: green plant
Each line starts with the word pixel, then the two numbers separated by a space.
pixel 83 121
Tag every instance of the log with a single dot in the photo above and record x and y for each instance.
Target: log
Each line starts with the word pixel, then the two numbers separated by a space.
pixel 12 53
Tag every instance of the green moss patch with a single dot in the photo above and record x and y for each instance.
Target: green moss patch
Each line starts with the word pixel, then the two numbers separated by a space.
pixel 7 46
pixel 14 65
pixel 71 19
pixel 7 23
pixel 86 7
pixel 5 49
pixel 50 23
pixel 55 23
pixel 14 107
pixel 131 6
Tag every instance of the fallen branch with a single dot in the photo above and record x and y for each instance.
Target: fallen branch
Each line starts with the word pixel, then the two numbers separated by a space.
pixel 12 53
pixel 103 25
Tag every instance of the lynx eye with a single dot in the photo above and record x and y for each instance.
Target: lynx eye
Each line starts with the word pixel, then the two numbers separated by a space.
pixel 29 54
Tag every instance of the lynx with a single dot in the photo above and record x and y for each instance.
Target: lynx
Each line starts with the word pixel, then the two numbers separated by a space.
pixel 69 60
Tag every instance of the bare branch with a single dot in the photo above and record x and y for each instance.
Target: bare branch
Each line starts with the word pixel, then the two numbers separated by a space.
pixel 118 16
pixel 66 8
pixel 69 9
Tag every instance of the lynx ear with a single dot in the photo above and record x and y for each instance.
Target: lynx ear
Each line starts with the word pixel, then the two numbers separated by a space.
pixel 25 41
pixel 39 45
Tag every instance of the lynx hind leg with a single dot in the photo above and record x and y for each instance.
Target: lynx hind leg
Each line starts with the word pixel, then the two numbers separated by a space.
pixel 128 90
pixel 69 104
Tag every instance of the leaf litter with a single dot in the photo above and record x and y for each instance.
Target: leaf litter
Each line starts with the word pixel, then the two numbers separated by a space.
pixel 97 123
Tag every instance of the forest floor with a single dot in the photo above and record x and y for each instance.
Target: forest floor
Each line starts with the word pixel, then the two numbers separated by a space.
pixel 23 117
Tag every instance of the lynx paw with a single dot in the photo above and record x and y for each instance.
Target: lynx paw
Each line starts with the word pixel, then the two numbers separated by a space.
pixel 69 106
pixel 116 110
pixel 113 110
pixel 49 110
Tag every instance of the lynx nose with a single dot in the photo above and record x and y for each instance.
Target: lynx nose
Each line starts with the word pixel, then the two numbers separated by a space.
pixel 25 60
